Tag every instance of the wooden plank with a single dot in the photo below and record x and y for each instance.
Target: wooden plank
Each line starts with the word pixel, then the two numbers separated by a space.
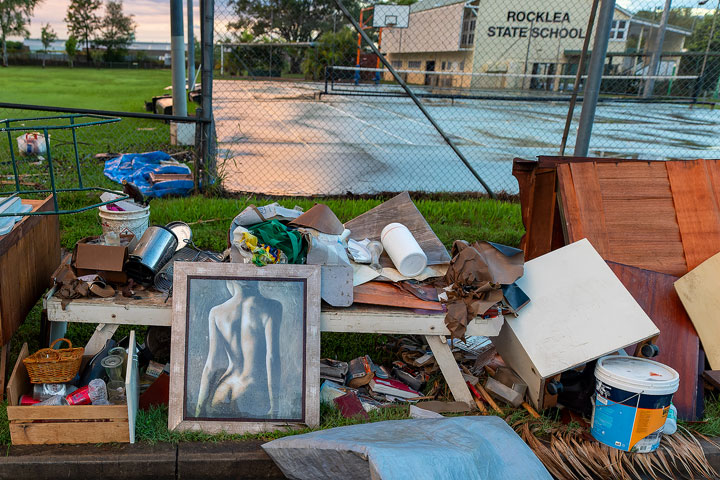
pixel 74 412
pixel 19 382
pixel 678 341
pixel 568 204
pixel 543 212
pixel 68 432
pixel 590 205
pixel 449 367
pixel 357 318
pixel 32 252
pixel 4 354
pixel 399 209
pixel 388 294
pixel 382 321
pixel 698 291
pixel 624 169
pixel 697 210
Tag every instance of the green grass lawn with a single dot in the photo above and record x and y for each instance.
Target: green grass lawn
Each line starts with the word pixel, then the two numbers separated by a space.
pixel 102 89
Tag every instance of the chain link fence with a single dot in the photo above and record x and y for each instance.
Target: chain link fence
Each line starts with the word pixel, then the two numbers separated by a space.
pixel 302 106
pixel 94 143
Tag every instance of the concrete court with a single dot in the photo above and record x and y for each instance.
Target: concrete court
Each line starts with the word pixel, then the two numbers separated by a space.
pixel 277 138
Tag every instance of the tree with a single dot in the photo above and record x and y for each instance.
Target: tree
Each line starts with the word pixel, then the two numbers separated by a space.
pixel 83 21
pixel 332 49
pixel 290 20
pixel 117 31
pixel 71 48
pixel 47 36
pixel 14 19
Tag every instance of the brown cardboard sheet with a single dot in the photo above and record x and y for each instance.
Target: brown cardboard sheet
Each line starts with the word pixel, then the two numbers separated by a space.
pixel 399 209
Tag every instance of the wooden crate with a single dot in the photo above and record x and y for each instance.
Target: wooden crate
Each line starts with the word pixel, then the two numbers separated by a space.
pixel 33 425
pixel 29 254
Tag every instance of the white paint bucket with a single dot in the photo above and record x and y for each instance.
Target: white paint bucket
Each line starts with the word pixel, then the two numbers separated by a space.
pixel 632 399
pixel 403 249
pixel 135 222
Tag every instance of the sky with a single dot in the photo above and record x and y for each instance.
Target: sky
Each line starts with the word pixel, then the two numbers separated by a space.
pixel 152 18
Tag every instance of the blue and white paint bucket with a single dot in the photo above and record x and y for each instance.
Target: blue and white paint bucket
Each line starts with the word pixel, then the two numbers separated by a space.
pixel 632 399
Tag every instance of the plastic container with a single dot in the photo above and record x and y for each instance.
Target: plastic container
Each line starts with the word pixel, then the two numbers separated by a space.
pixel 670 426
pixel 403 249
pixel 32 143
pixel 632 400
pixel 125 222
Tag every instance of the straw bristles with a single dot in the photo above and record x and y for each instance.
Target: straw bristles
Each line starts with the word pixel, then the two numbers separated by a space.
pixel 573 455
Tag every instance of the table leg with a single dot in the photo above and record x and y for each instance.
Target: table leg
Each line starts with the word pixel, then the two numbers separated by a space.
pixel 57 330
pixel 102 334
pixel 449 368
pixel 4 353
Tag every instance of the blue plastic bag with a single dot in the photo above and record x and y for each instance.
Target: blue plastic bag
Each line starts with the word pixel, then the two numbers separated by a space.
pixel 136 169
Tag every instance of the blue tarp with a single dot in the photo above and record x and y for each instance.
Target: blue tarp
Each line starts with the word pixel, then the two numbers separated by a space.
pixel 459 448
pixel 136 168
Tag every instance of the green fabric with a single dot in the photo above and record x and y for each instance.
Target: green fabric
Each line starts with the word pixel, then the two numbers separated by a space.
pixel 277 235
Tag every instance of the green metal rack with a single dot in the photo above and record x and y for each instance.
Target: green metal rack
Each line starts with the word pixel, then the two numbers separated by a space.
pixel 73 123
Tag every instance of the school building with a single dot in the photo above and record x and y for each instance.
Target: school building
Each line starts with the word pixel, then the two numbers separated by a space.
pixel 514 38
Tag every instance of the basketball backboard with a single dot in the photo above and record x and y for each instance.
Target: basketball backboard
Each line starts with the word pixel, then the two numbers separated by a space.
pixel 395 16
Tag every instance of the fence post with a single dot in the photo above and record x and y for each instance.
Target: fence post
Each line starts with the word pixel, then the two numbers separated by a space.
pixel 655 59
pixel 190 47
pixel 207 19
pixel 594 79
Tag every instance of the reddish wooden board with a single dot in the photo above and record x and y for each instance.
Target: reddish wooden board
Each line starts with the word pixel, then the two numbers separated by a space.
pixel 678 341
pixel 696 209
pixel 590 206
pixel 386 293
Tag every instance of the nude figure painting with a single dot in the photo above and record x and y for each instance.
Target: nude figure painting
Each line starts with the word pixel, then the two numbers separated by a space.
pixel 245 347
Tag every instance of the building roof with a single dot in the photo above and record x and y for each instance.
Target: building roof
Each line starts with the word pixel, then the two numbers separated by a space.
pixel 429 4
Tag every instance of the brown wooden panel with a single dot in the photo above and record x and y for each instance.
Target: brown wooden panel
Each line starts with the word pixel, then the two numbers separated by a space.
pixel 386 293
pixel 590 204
pixel 631 169
pixel 678 341
pixel 75 412
pixel 31 251
pixel 567 201
pixel 713 169
pixel 542 220
pixel 68 432
pixel 697 211
pixel 399 209
pixel 651 257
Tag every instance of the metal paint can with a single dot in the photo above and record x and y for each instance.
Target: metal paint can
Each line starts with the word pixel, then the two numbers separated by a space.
pixel 155 248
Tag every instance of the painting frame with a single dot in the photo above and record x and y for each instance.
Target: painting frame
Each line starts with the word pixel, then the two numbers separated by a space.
pixel 182 323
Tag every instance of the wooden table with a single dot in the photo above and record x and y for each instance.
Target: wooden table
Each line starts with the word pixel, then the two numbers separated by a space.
pixel 29 254
pixel 152 309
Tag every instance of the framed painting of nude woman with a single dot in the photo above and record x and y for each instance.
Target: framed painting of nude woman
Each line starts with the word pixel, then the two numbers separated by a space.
pixel 245 347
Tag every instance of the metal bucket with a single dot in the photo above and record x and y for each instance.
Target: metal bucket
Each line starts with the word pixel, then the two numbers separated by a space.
pixel 155 248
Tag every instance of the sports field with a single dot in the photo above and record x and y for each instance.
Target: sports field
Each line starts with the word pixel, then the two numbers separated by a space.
pixel 280 137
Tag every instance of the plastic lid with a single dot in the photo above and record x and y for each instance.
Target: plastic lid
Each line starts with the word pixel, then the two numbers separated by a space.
pixel 638 375
pixel 112 361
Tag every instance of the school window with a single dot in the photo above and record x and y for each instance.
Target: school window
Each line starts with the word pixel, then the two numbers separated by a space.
pixel 618 30
pixel 396 63
pixel 415 64
pixel 467 34
pixel 443 66
pixel 462 66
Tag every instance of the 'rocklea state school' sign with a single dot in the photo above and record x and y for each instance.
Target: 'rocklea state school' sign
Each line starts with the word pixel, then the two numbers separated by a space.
pixel 541 25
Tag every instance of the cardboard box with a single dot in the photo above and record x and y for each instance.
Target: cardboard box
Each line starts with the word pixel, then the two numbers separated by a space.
pixel 104 260
pixel 44 425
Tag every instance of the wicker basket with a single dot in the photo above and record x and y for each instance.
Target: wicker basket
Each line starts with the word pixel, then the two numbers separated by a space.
pixel 48 365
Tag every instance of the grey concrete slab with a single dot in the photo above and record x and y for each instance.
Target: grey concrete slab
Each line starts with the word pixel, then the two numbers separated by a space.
pixel 226 460
pixel 108 461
